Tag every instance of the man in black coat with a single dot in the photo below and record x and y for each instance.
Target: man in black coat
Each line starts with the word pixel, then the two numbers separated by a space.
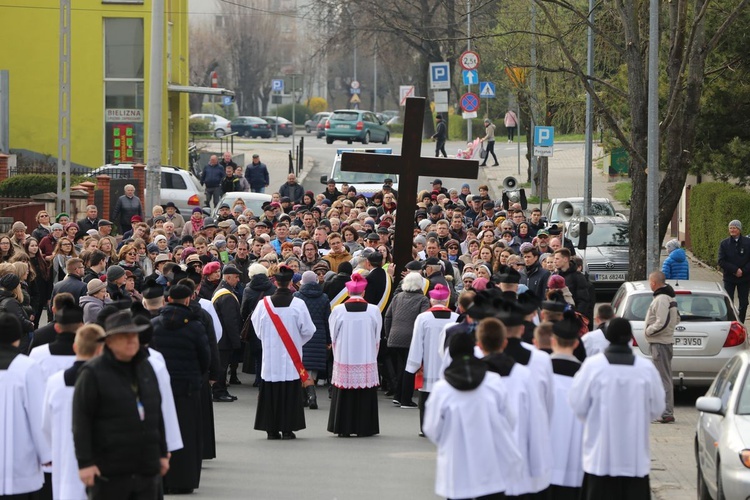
pixel 227 306
pixel 91 221
pixel 734 260
pixel 121 453
pixel 181 338
pixel 256 174
pixel 73 282
pixel 576 283
pixel 292 189
pixel 536 276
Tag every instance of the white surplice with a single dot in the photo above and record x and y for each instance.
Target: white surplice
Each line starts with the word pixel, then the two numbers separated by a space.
pixel 540 365
pixel 208 306
pixel 50 363
pixel 567 437
pixel 168 410
pixel 58 429
pixel 22 442
pixel 473 430
pixel 355 337
pixel 426 346
pixel 532 432
pixel 277 365
pixel 617 404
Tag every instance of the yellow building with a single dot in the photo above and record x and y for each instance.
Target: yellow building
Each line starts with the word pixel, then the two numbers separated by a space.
pixel 110 65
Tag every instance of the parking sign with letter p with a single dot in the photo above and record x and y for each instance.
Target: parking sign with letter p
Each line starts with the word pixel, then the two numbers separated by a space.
pixel 440 75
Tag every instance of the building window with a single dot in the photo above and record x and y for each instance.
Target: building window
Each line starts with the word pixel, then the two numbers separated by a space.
pixel 123 89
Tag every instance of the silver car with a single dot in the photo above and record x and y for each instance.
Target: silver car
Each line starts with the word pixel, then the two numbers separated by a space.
pixel 706 337
pixel 722 437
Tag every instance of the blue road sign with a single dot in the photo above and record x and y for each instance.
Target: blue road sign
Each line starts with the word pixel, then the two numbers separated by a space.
pixel 487 90
pixel 471 76
pixel 469 102
pixel 352 90
pixel 440 75
pixel 277 85
pixel 227 100
pixel 544 136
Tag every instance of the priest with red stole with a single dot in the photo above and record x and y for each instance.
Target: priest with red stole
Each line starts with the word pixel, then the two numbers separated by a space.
pixel 355 335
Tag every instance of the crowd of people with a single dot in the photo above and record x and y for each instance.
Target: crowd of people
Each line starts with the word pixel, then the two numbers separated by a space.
pixel 147 327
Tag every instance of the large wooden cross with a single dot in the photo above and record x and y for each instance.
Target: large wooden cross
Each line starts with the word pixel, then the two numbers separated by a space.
pixel 409 166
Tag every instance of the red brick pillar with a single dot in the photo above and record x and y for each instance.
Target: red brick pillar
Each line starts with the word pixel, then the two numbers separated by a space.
pixel 102 182
pixel 89 187
pixel 3 166
pixel 139 174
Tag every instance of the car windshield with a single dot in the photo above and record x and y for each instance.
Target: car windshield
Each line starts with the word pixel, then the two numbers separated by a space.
pixel 345 116
pixel 691 306
pixel 743 404
pixel 607 235
pixel 360 177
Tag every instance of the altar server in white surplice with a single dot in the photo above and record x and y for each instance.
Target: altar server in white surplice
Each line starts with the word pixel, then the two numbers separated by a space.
pixel 469 416
pixel 58 416
pixel 24 448
pixel 532 430
pixel 58 355
pixel 617 395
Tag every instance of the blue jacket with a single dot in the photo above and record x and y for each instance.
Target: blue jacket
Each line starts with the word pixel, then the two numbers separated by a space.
pixel 257 175
pixel 212 175
pixel 676 266
pixel 315 351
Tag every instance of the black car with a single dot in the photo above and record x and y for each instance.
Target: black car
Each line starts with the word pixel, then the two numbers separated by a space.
pixel 284 125
pixel 252 126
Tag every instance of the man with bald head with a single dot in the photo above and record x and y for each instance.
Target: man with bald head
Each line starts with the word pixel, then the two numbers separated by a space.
pixel 292 189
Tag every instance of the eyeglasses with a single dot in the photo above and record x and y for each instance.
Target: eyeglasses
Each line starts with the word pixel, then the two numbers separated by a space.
pixel 131 253
pixel 44 215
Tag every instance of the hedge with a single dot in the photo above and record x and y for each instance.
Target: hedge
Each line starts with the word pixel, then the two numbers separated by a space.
pixel 712 206
pixel 28 185
pixel 300 111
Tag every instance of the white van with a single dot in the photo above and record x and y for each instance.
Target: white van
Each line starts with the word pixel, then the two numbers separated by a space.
pixel 366 183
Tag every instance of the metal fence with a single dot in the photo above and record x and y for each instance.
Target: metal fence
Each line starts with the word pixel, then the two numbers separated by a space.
pixel 44 169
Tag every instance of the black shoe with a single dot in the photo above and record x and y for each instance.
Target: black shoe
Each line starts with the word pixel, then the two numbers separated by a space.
pixel 224 398
pixel 234 398
pixel 285 436
pixel 496 165
pixel 482 164
pixel 421 434
pixel 344 435
pixel 389 394
pixel 397 402
pixel 409 405
pixel 312 397
pixel 178 491
pixel 234 380
pixel 273 436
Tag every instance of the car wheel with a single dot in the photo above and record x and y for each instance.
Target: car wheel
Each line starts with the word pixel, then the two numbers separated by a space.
pixel 307 129
pixel 719 485
pixel 219 132
pixel 246 134
pixel 366 138
pixel 385 139
pixel 329 140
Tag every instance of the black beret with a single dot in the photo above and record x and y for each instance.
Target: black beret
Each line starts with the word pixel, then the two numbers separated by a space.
pixel 510 313
pixel 231 270
pixel 373 237
pixel 414 265
pixel 375 258
pixel 69 315
pixel 153 292
pixel 510 276
pixel 179 292
pixel 432 261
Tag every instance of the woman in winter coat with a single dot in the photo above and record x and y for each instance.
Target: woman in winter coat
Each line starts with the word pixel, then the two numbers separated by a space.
pixel 40 286
pixel 11 298
pixel 399 327
pixel 315 351
pixel 129 261
pixel 676 265
pixel 258 287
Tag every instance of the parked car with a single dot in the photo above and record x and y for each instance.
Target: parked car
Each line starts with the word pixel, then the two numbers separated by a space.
pixel 366 183
pixel 320 128
pixel 707 335
pixel 394 120
pixel 390 113
pixel 220 125
pixel 722 437
pixel 606 258
pixel 312 123
pixel 177 185
pixel 283 128
pixel 253 201
pixel 252 126
pixel 599 206
pixel 356 125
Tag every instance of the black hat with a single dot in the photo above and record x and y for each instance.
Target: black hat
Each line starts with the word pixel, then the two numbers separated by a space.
pixel 437 181
pixel 153 292
pixel 619 331
pixel 567 328
pixel 375 258
pixel 476 197
pixel 553 230
pixel 372 212
pixel 209 222
pixel 69 315
pixel 373 237
pixel 485 304
pixel 179 292
pixel 105 222
pixel 528 302
pixel 10 281
pixel 414 265
pixel 284 275
pixel 436 209
pixel 488 205
pixel 261 224
pixel 224 205
pixel 461 344
pixel 122 322
pixel 10 328
pixel 231 270
pixel 432 261
pixel 383 230
pixel 556 303
pixel 510 276
pixel 285 199
pixel 170 204
pixel 510 313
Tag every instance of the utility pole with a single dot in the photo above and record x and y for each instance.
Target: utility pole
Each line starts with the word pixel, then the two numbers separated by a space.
pixel 63 141
pixel 652 199
pixel 588 152
pixel 532 103
pixel 469 123
pixel 375 79
pixel 155 89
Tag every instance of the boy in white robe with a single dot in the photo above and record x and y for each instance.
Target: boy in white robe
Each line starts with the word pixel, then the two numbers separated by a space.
pixel 594 341
pixel 470 418
pixel 531 434
pixel 21 400
pixel 567 430
pixel 425 347
pixel 59 354
pixel 617 395
pixel 57 422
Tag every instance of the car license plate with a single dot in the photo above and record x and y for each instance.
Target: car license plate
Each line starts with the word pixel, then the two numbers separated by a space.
pixel 342 126
pixel 609 277
pixel 688 341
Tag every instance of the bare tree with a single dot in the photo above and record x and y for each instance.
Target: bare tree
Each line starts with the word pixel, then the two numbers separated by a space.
pixel 206 55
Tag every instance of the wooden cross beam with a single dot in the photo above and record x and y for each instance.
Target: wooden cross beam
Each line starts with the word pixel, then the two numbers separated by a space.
pixel 409 166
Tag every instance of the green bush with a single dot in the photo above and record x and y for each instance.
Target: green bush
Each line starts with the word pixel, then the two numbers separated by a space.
pixel 200 126
pixel 712 206
pixel 300 111
pixel 27 185
pixel 457 128
pixel 396 128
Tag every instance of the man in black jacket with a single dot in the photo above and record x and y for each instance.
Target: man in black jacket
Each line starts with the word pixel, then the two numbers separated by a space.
pixel 440 136
pixel 96 266
pixel 292 189
pixel 227 307
pixel 72 284
pixel 121 453
pixel 734 260
pixel 181 338
pixel 536 276
pixel 576 283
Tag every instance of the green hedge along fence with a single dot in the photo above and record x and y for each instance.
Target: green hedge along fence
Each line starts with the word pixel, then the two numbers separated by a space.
pixel 28 185
pixel 712 206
